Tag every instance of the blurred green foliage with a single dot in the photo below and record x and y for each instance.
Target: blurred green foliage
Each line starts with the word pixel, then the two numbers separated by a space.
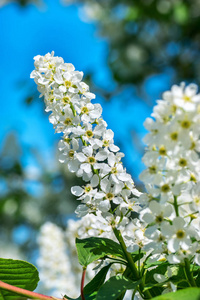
pixel 31 195
pixel 22 3
pixel 148 37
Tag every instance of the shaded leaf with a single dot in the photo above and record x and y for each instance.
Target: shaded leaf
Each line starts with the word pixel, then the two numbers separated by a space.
pixel 94 248
pixel 115 286
pixel 97 281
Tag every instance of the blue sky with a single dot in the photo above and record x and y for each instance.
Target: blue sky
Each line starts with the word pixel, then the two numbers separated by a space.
pixel 26 32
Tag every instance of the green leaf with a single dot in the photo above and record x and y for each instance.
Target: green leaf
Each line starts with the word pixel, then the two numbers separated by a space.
pixel 18 273
pixel 115 286
pixel 94 248
pixel 148 264
pixel 97 281
pixel 197 280
pixel 185 294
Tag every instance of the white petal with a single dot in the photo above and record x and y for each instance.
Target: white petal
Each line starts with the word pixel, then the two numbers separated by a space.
pixel 191 90
pixel 81 157
pixel 87 150
pixel 148 218
pixel 117 200
pixel 173 245
pixel 99 195
pixel 105 185
pixel 86 168
pixel 155 207
pixel 73 165
pixel 108 135
pixel 111 159
pixel 62 158
pixel 104 206
pixel 82 210
pixel 75 144
pixel 61 145
pixel 114 148
pixel 77 191
pixel 95 180
pixel 101 155
pixel 124 177
pixel 118 187
pixel 178 222
pixel 159 277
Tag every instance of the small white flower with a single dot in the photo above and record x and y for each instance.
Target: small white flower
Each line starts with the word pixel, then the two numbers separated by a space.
pixel 156 213
pixel 178 234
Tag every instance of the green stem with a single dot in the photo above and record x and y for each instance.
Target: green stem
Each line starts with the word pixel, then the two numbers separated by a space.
pixel 84 142
pixel 133 295
pixel 127 254
pixel 176 206
pixel 23 292
pixel 131 263
pixel 139 262
pixel 189 276
pixel 73 109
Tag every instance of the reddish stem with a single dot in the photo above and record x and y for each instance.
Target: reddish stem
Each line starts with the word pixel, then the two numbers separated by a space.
pixel 82 283
pixel 23 292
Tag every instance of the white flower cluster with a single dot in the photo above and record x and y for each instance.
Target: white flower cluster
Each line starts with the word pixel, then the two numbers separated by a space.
pixel 54 264
pixel 172 177
pixel 87 145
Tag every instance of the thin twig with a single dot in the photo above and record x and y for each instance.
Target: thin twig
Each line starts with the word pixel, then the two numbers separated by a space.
pixel 82 283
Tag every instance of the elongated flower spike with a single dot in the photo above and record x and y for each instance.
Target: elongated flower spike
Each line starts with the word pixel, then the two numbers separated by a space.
pixel 87 146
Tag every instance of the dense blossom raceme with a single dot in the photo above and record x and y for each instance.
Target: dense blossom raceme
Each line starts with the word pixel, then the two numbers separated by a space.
pixel 172 177
pixel 168 223
pixel 87 146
